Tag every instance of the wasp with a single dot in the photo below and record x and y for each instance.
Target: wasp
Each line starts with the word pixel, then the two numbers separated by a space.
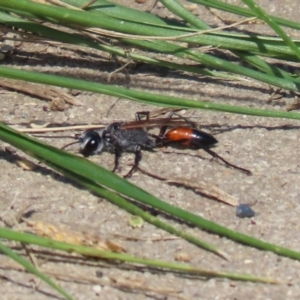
pixel 133 137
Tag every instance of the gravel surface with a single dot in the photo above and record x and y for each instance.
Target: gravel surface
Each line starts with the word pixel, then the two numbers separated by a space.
pixel 268 147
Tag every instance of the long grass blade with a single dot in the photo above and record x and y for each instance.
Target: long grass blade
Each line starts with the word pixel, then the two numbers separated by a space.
pixel 29 267
pixel 272 23
pixel 140 30
pixel 135 210
pixel 137 95
pixel 93 252
pixel 73 16
pixel 178 9
pixel 82 167
pixel 75 39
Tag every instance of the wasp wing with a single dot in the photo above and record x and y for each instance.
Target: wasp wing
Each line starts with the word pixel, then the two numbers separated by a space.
pixel 159 122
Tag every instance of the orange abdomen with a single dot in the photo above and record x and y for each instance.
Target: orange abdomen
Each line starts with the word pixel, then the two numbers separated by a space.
pixel 183 135
pixel 189 137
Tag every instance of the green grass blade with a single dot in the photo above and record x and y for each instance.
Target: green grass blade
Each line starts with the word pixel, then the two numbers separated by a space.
pixel 272 23
pixel 222 64
pixel 119 11
pixel 31 268
pixel 135 210
pixel 265 67
pixel 114 10
pixel 137 95
pixel 178 9
pixel 228 42
pixel 98 175
pixel 106 178
pixel 65 37
pixel 71 17
pixel 163 47
pixel 89 251
pixel 87 19
pixel 252 59
pixel 92 176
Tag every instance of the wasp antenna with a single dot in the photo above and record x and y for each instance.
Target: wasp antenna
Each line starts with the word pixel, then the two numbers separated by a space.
pixel 64 147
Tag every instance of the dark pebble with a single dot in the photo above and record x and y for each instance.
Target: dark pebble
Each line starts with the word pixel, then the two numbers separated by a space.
pixel 244 211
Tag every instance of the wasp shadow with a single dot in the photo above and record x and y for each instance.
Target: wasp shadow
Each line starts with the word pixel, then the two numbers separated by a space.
pixel 218 129
pixel 14 158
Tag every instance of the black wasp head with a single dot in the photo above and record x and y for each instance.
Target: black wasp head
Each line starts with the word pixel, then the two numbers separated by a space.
pixel 90 143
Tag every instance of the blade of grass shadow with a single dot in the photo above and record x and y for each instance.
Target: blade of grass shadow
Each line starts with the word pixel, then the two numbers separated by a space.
pixel 149 98
pixel 27 238
pixel 98 175
pixel 32 269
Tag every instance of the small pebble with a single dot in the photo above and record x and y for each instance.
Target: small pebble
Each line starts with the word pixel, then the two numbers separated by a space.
pixel 244 211
pixel 183 256
pixel 7 49
pixel 97 289
pixel 57 104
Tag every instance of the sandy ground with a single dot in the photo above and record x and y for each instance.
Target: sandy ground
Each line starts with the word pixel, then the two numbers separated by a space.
pixel 268 147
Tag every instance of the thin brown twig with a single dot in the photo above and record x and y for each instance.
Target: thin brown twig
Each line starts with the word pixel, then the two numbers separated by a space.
pixel 165 38
pixel 58 129
pixel 44 92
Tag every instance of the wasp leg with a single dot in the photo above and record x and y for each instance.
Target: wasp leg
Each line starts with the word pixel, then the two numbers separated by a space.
pixel 214 154
pixel 139 115
pixel 118 153
pixel 137 159
pixel 174 113
pixel 156 113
